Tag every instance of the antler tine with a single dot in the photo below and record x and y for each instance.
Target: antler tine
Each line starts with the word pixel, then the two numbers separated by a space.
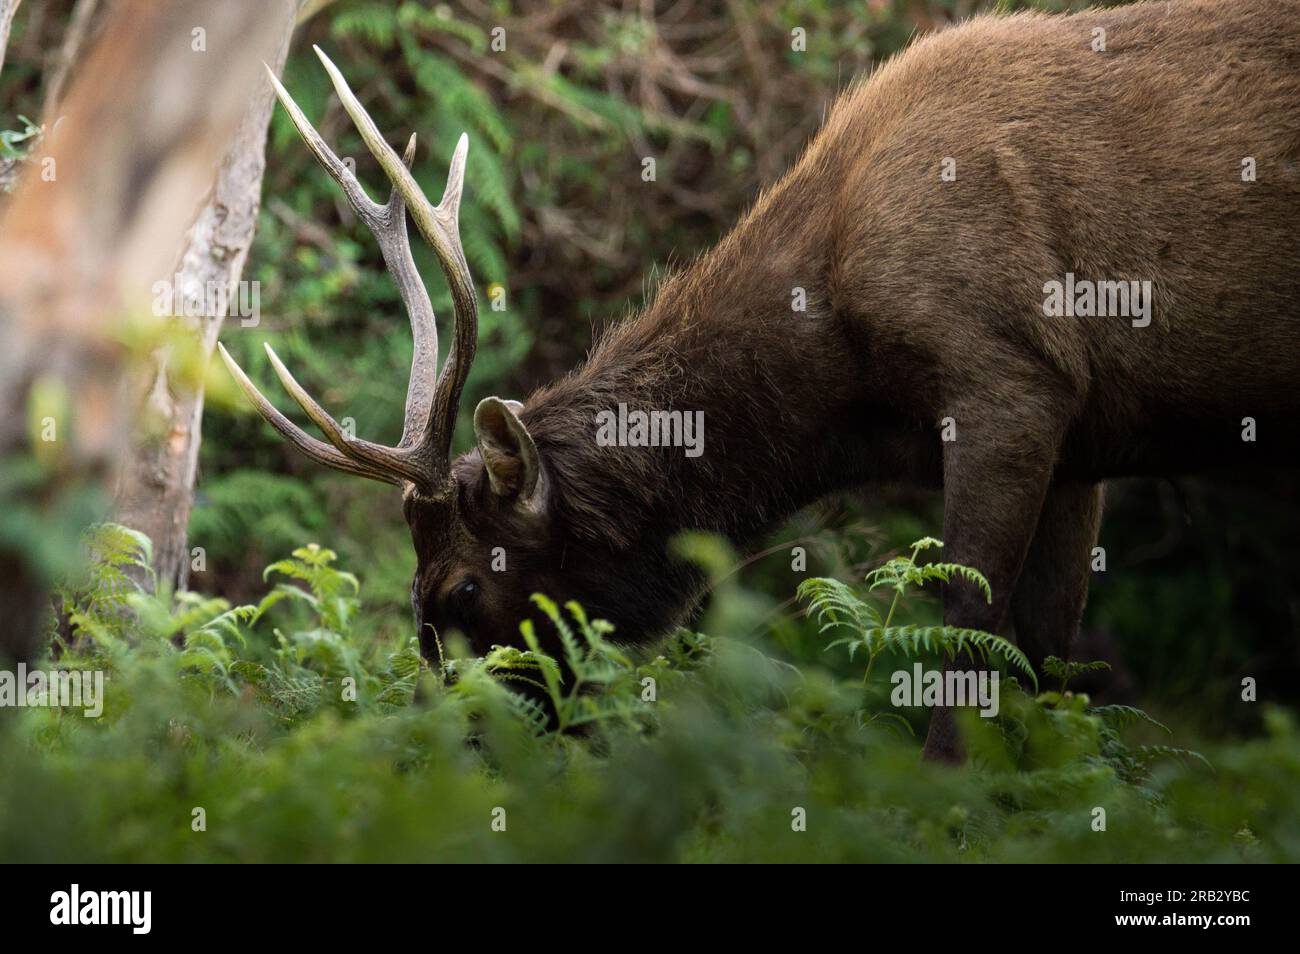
pixel 338 170
pixel 464 304
pixel 424 359
pixel 318 451
pixel 440 228
pixel 388 224
pixel 401 461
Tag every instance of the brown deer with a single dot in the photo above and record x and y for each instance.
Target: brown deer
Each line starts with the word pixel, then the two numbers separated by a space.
pixel 959 229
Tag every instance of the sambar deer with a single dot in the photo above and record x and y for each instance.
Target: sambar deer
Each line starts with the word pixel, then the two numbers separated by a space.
pixel 935 225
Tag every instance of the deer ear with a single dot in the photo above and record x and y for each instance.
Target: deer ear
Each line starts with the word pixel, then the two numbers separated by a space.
pixel 509 454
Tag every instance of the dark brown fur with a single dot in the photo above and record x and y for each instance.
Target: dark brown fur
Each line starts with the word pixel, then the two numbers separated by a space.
pixel 925 302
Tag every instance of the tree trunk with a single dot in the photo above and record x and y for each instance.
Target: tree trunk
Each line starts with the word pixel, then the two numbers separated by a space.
pixel 83 12
pixel 95 221
pixel 7 10
pixel 154 485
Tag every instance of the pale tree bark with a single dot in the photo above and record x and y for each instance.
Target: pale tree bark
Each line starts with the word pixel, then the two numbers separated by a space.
pixel 94 222
pixel 83 12
pixel 7 10
pixel 154 486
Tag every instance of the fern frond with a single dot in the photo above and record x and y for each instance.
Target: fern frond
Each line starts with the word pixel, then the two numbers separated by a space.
pixel 946 571
pixel 574 653
pixel 1055 666
pixel 1121 717
pixel 951 642
pixel 1148 753
pixel 835 604
pixel 530 711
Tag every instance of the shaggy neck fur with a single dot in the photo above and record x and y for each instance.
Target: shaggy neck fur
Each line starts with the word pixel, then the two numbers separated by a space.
pixel 722 337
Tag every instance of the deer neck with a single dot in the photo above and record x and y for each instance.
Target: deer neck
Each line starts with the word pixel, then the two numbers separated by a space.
pixel 707 410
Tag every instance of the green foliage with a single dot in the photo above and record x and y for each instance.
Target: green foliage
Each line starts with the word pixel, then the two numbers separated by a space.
pixel 119 559
pixel 837 606
pixel 592 693
pixel 330 594
pixel 14 143
pixel 41 518
pixel 301 742
pixel 1067 670
pixel 1089 736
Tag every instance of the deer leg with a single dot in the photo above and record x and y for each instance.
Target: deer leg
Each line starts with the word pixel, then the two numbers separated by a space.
pixel 1048 600
pixel 996 474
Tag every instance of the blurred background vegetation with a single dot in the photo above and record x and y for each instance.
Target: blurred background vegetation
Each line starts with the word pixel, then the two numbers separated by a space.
pixel 1200 587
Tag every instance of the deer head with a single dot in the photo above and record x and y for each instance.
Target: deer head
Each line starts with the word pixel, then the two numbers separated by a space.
pixel 459 512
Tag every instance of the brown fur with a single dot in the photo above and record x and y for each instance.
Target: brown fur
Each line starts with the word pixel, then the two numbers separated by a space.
pixel 925 302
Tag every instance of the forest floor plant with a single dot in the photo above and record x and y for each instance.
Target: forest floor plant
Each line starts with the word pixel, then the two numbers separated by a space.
pixel 280 731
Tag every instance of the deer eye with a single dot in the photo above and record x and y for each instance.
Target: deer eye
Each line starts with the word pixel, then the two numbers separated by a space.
pixel 464 594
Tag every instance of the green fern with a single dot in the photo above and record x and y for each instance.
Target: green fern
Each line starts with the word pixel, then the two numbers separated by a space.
pixel 376 22
pixel 331 593
pixel 1148 753
pixel 837 606
pixel 1122 717
pixel 594 663
pixel 1065 671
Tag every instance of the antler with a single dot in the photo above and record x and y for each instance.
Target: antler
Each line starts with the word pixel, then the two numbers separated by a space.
pixel 422 456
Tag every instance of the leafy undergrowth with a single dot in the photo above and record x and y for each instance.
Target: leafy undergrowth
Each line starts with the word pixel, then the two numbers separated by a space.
pixel 276 733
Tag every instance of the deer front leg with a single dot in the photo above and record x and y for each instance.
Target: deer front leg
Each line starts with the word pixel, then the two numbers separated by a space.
pixel 1049 597
pixel 996 472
